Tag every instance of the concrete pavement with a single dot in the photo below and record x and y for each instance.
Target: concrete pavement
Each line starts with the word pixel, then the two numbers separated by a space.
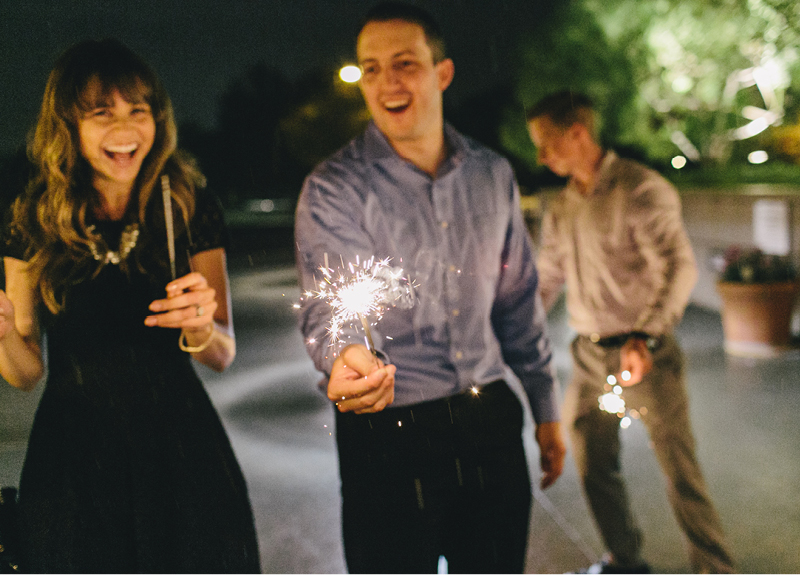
pixel 745 416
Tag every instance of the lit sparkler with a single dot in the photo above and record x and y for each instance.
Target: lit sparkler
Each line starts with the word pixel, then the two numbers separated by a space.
pixel 612 401
pixel 363 292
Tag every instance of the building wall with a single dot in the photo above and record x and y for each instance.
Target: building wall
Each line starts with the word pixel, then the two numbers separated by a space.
pixel 716 220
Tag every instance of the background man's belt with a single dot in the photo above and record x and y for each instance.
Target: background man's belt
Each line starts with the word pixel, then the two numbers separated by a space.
pixel 653 342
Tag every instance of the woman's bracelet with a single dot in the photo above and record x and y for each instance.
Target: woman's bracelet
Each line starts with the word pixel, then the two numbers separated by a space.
pixel 197 348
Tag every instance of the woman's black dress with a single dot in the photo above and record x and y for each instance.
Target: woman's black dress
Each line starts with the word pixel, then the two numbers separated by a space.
pixel 128 468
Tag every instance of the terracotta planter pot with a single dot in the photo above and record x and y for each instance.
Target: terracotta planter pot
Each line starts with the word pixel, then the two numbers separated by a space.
pixel 756 318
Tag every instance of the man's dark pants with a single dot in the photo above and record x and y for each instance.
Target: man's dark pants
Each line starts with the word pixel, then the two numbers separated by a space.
pixel 446 477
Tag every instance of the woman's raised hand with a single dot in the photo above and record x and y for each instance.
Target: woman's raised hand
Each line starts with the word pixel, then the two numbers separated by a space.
pixel 6 315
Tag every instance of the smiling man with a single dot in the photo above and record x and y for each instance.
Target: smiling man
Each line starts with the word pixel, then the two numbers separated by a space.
pixel 429 432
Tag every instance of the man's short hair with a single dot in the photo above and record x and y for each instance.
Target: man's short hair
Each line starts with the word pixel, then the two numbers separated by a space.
pixel 564 109
pixel 385 11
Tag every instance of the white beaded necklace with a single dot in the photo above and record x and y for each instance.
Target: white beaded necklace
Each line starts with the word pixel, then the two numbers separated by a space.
pixel 127 241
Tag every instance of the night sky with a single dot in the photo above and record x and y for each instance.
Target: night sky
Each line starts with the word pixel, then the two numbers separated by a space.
pixel 199 47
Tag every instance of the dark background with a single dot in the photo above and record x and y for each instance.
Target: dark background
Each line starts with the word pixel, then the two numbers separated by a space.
pixel 236 65
pixel 254 86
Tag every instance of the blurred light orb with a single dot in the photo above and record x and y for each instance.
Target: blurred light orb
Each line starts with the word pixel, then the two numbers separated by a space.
pixel 757 157
pixel 625 422
pixel 611 379
pixel 678 162
pixel 350 74
pixel 612 403
pixel 682 84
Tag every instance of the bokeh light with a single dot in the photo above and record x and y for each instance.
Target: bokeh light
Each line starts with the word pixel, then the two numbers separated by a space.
pixel 678 162
pixel 612 403
pixel 350 74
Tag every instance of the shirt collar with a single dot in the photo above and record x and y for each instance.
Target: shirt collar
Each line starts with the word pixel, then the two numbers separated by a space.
pixel 377 148
pixel 609 157
pixel 605 166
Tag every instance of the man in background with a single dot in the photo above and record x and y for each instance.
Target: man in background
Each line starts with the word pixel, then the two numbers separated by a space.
pixel 615 237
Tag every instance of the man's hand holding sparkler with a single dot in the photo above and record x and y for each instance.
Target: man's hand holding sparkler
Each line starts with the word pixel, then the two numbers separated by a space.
pixel 635 359
pixel 360 382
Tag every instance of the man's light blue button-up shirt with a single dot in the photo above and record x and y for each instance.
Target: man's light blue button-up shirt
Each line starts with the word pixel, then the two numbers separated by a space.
pixel 461 237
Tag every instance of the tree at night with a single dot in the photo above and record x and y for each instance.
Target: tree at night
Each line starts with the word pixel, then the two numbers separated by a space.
pixel 708 79
pixel 326 113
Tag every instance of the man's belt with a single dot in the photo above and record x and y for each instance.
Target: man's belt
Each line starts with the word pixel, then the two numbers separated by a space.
pixel 611 341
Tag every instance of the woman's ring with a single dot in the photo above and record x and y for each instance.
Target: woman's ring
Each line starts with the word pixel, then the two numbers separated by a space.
pixel 200 311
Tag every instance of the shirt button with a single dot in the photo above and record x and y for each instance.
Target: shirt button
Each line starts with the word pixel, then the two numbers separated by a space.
pixel 444 225
pixel 459 355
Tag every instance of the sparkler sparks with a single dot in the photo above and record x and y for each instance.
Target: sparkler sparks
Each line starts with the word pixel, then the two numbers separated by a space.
pixel 612 401
pixel 363 292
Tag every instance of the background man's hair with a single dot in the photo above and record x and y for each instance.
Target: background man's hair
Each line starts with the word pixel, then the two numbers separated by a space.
pixel 564 109
pixel 385 11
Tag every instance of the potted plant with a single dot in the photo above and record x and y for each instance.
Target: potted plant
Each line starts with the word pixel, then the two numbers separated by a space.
pixel 758 294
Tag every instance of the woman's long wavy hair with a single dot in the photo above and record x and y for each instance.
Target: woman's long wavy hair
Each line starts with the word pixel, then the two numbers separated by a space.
pixel 51 215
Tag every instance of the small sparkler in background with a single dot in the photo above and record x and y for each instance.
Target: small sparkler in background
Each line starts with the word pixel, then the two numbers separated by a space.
pixel 363 291
pixel 612 401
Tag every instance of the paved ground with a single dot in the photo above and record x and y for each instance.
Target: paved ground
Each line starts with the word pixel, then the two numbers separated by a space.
pixel 745 415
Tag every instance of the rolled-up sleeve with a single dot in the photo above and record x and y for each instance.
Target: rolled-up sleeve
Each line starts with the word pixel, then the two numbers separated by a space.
pixel 658 208
pixel 550 264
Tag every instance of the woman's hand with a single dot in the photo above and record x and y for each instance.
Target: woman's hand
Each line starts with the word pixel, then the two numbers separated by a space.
pixel 199 304
pixel 190 305
pixel 21 361
pixel 7 322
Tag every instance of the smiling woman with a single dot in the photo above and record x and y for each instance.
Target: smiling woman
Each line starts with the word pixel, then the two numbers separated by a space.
pixel 128 468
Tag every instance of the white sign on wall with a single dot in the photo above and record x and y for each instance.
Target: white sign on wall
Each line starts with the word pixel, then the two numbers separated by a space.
pixel 771 226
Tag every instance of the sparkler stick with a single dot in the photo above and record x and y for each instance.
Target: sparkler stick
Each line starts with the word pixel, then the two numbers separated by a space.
pixel 166 194
pixel 367 334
